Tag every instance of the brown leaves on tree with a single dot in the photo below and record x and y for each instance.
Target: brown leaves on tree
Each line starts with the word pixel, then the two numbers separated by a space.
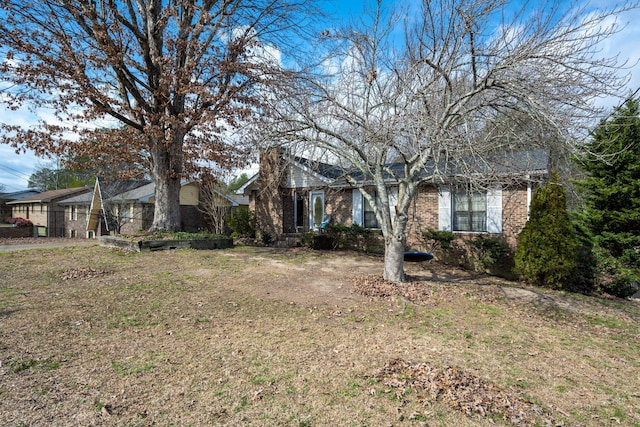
pixel 166 88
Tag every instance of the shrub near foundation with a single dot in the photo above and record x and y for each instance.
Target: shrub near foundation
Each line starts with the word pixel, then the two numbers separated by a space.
pixel 547 246
pixel 355 237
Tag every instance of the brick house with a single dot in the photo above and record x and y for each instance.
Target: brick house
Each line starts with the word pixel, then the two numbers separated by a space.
pixel 291 195
pixel 86 214
pixel 5 210
pixel 44 210
pixel 124 207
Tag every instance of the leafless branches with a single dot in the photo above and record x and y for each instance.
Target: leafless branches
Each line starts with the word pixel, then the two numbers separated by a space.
pixel 437 87
pixel 181 79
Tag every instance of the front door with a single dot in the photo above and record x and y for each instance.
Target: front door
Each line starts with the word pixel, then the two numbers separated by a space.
pixel 316 209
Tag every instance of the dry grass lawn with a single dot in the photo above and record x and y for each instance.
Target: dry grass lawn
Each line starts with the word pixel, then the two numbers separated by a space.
pixel 91 336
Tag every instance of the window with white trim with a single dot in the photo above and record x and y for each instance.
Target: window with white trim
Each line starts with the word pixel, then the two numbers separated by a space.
pixel 369 214
pixel 363 213
pixel 470 211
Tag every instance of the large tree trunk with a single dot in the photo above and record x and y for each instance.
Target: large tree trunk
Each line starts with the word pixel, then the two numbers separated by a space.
pixel 166 215
pixel 395 238
pixel 394 257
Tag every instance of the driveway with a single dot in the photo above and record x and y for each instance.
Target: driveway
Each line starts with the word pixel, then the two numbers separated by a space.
pixel 7 245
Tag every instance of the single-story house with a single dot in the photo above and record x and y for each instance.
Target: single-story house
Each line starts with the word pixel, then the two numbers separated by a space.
pixel 291 195
pixel 218 205
pixel 125 207
pixel 5 210
pixel 89 215
pixel 44 210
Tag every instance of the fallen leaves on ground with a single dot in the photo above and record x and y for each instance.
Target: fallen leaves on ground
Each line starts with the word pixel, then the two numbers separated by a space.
pixel 460 390
pixel 377 287
pixel 82 273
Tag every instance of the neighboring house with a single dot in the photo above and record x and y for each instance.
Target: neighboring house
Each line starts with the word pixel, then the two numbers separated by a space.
pixel 217 206
pixel 291 195
pixel 90 215
pixel 125 207
pixel 5 210
pixel 44 210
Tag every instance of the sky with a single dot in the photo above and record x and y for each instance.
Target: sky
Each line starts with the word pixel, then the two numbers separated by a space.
pixel 15 169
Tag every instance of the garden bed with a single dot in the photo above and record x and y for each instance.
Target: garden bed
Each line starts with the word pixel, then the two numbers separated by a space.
pixel 146 245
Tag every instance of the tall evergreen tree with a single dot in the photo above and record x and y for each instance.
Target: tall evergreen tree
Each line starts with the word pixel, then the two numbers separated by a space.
pixel 546 254
pixel 611 192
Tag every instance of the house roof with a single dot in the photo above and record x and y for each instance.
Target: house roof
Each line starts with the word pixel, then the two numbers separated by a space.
pixel 238 199
pixel 50 196
pixel 108 189
pixel 113 188
pixel 15 195
pixel 249 185
pixel 142 194
pixel 525 163
pixel 327 170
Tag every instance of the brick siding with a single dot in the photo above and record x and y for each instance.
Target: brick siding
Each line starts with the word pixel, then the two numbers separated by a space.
pixel 274 206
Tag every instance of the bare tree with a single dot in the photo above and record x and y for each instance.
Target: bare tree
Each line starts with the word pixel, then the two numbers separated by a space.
pixel 214 205
pixel 117 214
pixel 431 87
pixel 178 78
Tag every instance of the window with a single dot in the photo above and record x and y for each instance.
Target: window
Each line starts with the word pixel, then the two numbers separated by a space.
pixel 363 213
pixel 316 206
pixel 370 220
pixel 299 209
pixel 470 211
pixel 74 213
pixel 464 211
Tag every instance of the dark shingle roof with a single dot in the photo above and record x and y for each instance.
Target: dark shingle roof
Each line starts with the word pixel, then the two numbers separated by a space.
pixel 15 195
pixel 508 164
pixel 108 189
pixel 325 169
pixel 112 188
pixel 49 196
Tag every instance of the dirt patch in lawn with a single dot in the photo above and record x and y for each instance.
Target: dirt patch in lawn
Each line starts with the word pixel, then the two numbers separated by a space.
pixel 261 336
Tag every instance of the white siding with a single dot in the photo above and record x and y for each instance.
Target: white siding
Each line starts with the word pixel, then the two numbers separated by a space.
pixel 298 178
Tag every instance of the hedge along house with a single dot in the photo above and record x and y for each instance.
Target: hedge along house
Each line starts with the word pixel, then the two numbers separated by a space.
pixel 125 207
pixel 291 195
pixel 44 210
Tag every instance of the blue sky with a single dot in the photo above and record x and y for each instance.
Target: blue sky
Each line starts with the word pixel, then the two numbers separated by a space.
pixel 15 169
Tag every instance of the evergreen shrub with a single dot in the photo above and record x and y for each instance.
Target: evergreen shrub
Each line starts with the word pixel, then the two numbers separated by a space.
pixel 546 253
pixel 242 223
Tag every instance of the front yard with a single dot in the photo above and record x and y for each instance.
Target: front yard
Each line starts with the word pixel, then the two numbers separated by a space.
pixel 267 337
